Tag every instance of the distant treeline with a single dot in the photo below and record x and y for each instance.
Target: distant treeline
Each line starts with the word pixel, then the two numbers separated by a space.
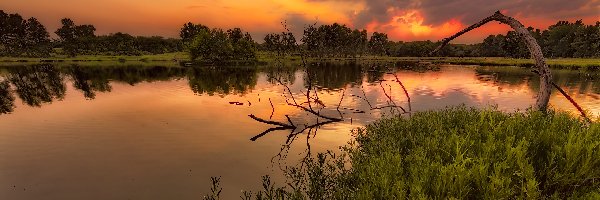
pixel 29 38
pixel 562 40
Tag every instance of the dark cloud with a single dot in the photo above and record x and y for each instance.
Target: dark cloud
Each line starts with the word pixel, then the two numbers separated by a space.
pixel 469 11
pixel 377 10
pixel 437 12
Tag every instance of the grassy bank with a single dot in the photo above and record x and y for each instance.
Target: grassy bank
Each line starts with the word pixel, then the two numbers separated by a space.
pixel 458 153
pixel 101 58
pixel 591 64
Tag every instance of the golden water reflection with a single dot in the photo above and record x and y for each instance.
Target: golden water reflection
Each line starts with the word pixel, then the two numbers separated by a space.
pixel 161 132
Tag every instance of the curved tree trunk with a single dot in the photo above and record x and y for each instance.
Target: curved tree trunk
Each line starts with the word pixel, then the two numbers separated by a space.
pixel 536 54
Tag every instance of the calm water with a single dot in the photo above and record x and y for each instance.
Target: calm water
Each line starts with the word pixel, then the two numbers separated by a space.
pixel 128 132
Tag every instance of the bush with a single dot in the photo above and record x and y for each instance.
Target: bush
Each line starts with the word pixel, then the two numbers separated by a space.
pixel 460 153
pixel 217 46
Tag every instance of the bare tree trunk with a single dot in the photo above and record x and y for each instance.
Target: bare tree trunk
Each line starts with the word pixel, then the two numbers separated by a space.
pixel 534 48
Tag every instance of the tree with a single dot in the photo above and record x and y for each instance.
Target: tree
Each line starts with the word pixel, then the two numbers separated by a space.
pixel 282 44
pixel 379 43
pixel 243 45
pixel 313 41
pixel 513 46
pixel 189 31
pixel 37 39
pixel 211 46
pixel 492 46
pixel 19 37
pixel 558 38
pixel 13 30
pixel 358 43
pixel 76 39
pixel 586 42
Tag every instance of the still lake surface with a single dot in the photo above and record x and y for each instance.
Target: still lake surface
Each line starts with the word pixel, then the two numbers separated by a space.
pixel 139 132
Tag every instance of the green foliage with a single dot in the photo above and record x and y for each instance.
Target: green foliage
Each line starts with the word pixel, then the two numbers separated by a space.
pixel 379 43
pixel 281 44
pixel 76 39
pixel 210 46
pixel 217 46
pixel 189 31
pixel 19 37
pixel 81 40
pixel 334 40
pixel 459 153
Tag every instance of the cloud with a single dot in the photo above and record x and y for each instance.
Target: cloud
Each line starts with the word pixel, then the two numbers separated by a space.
pixel 437 12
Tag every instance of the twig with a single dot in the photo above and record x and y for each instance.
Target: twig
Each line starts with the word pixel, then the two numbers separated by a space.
pixel 271 122
pixel 272 109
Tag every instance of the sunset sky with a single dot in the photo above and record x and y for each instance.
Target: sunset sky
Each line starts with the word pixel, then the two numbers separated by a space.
pixel 405 20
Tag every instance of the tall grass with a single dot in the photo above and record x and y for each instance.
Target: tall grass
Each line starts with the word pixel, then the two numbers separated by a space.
pixel 457 153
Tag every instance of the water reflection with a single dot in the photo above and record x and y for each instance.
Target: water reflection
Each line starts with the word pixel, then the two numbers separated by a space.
pixel 6 98
pixel 222 81
pixel 156 132
pixel 334 76
pixel 37 84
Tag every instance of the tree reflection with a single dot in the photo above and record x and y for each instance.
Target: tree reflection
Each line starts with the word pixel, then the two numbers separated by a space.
pixel 334 75
pixel 222 81
pixel 37 84
pixel 7 99
pixel 97 79
pixel 286 74
pixel 89 82
pixel 573 81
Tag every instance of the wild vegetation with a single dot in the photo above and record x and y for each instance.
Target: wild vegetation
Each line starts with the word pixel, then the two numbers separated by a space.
pixel 462 153
pixel 29 38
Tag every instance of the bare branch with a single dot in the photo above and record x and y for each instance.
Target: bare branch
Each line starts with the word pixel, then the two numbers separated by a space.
pixel 534 48
pixel 270 122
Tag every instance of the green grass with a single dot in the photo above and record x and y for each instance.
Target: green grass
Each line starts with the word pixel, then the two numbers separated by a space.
pixel 266 57
pixel 168 59
pixel 100 58
pixel 557 63
pixel 456 153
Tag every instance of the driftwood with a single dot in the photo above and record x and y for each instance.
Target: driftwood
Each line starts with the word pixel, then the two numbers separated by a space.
pixel 536 54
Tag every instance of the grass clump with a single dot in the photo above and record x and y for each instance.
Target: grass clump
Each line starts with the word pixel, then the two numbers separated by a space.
pixel 458 153
pixel 468 153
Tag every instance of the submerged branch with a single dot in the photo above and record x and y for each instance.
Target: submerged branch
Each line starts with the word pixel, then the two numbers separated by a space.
pixel 271 122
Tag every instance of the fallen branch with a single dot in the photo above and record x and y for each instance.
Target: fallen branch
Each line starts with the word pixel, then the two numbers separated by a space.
pixel 534 48
pixel 270 122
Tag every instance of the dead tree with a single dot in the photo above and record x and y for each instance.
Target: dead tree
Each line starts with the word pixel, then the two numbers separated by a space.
pixel 534 48
pixel 542 70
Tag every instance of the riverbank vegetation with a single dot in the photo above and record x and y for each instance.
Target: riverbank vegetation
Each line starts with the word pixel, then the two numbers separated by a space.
pixel 462 153
pixel 21 37
pixel 264 58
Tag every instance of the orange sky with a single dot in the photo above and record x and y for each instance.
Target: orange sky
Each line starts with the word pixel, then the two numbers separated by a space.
pixel 405 20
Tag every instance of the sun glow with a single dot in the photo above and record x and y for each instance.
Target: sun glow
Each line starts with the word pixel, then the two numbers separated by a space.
pixel 408 25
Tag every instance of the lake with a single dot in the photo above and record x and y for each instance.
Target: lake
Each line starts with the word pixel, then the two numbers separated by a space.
pixel 152 132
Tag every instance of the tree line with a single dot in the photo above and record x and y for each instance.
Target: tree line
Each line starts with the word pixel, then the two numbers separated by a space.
pixel 216 45
pixel 562 40
pixel 29 38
